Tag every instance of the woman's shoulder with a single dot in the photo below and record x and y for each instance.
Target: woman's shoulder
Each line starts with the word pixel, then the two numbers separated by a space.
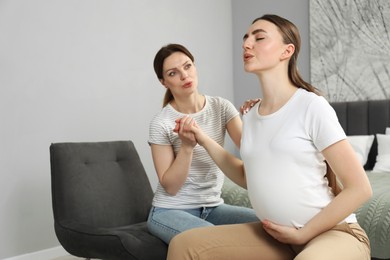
pixel 217 100
pixel 313 104
pixel 166 114
pixel 311 99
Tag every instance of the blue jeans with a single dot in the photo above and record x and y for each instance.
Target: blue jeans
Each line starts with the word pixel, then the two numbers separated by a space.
pixel 166 223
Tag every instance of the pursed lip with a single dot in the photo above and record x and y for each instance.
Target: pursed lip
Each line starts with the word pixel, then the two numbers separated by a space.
pixel 188 84
pixel 247 56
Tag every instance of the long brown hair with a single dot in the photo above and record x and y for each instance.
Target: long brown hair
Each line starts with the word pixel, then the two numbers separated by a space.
pixel 158 64
pixel 332 180
pixel 290 34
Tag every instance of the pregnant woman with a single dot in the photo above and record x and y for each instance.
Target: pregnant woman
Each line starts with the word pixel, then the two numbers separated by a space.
pixel 291 140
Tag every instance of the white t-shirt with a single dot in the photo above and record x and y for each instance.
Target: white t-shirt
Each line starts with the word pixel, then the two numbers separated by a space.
pixel 282 156
pixel 204 182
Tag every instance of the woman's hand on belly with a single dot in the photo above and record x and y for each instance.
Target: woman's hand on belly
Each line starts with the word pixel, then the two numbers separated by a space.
pixel 284 234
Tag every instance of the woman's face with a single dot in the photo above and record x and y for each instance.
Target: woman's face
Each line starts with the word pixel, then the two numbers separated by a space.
pixel 263 47
pixel 179 74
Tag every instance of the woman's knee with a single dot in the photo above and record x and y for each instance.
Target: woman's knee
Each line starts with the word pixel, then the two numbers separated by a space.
pixel 341 242
pixel 180 246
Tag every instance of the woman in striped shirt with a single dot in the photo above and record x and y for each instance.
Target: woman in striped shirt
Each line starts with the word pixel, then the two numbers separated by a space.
pixel 188 194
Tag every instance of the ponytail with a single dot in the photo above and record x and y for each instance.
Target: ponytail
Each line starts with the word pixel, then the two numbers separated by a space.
pixel 168 97
pixel 332 180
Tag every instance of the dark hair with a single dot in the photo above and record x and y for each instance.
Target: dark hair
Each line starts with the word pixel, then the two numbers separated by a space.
pixel 290 34
pixel 158 63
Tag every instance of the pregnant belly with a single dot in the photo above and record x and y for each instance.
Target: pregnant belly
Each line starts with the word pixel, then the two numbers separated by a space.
pixel 286 207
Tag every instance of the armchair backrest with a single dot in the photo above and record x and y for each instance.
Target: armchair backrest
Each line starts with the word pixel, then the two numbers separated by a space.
pixel 101 184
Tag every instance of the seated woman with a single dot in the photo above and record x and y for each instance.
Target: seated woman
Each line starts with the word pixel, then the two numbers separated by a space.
pixel 290 140
pixel 188 194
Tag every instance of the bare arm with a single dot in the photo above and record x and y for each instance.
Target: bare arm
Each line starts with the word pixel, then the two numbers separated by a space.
pixel 173 171
pixel 234 128
pixel 230 165
pixel 356 191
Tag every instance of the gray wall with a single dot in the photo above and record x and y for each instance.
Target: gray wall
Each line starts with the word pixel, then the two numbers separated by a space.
pixel 244 12
pixel 74 70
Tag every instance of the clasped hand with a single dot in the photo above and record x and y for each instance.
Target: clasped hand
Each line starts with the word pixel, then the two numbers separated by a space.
pixel 190 134
pixel 188 130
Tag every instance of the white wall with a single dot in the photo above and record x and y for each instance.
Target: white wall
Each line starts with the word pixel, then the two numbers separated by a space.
pixel 246 85
pixel 81 70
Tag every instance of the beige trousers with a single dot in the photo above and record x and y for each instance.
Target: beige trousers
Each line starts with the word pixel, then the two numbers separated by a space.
pixel 249 241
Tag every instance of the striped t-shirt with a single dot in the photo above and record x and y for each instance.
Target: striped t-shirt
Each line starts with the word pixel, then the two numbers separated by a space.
pixel 204 182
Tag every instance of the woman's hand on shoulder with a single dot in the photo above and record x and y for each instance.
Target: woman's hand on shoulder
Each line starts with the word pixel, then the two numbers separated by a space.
pixel 248 104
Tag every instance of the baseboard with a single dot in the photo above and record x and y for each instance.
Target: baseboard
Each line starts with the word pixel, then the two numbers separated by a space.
pixel 47 254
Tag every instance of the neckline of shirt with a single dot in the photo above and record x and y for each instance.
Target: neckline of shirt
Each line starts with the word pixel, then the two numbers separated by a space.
pixel 280 110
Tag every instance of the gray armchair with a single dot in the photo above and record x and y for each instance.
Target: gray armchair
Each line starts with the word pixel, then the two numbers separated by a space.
pixel 101 198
